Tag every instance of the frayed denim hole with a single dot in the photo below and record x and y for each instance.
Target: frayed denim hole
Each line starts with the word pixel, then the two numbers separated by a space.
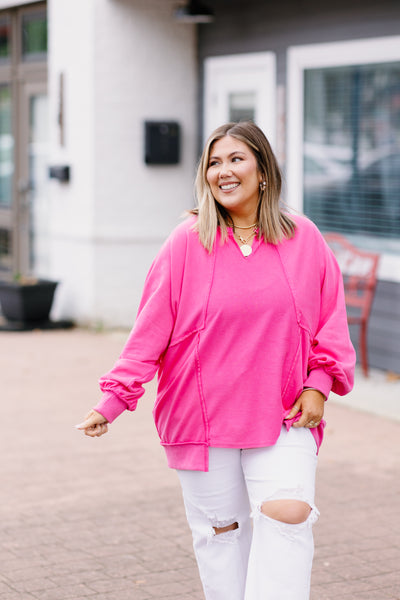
pixel 229 536
pixel 289 530
pixel 292 530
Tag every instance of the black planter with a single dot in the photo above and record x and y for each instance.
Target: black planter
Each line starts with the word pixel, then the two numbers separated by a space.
pixel 28 303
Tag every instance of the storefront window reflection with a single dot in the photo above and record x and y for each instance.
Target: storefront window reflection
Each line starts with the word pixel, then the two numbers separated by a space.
pixel 34 36
pixel 6 147
pixel 352 149
pixel 5 39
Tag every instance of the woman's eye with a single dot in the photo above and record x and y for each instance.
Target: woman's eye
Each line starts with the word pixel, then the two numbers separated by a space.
pixel 213 163
pixel 236 158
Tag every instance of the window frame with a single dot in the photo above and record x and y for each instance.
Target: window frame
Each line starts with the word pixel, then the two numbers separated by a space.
pixel 332 54
pixel 20 75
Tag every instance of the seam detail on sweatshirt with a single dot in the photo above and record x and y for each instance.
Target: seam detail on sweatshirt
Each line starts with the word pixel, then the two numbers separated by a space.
pixel 210 282
pixel 201 395
pixel 294 361
pixel 291 288
pixel 202 325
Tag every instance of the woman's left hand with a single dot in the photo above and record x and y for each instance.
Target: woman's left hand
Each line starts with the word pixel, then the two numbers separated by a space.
pixel 311 403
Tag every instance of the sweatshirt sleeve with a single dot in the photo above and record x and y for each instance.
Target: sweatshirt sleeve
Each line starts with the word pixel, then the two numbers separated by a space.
pixel 332 357
pixel 148 340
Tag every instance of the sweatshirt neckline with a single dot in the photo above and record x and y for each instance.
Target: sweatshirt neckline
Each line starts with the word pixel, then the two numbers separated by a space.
pixel 255 244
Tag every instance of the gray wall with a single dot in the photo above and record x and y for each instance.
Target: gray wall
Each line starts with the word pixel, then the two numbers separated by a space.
pixel 384 328
pixel 259 26
pixel 255 26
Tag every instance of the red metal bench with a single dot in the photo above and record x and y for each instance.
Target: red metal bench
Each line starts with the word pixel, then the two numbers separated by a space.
pixel 359 270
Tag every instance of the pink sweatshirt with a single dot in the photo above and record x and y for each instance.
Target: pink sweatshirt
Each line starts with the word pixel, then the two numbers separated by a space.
pixel 234 340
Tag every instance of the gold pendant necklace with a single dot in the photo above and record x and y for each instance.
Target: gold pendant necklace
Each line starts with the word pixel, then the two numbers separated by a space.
pixel 246 249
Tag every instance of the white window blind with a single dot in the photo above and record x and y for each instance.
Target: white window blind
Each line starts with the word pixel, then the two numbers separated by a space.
pixel 352 149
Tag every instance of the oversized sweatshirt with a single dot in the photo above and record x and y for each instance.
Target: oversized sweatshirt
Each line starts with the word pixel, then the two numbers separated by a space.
pixel 234 340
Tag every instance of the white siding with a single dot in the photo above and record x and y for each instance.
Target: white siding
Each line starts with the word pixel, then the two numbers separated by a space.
pixel 71 52
pixel 145 69
pixel 124 61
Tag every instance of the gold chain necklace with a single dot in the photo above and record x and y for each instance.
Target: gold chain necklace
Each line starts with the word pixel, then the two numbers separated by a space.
pixel 248 227
pixel 246 249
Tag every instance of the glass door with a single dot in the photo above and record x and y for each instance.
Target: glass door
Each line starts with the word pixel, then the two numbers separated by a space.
pixel 33 180
pixel 23 136
pixel 240 87
pixel 6 180
pixel 7 240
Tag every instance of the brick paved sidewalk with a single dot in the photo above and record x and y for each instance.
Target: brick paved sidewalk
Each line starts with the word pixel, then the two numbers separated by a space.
pixel 103 519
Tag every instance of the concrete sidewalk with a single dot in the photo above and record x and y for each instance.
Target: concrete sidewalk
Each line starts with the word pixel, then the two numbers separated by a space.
pixel 103 518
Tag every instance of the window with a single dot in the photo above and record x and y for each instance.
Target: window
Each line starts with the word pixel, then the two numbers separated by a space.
pixel 242 106
pixel 34 36
pixel 351 148
pixel 6 147
pixel 23 120
pixel 5 39
pixel 5 250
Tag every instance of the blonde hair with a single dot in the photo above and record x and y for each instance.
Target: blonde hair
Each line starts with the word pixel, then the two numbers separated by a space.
pixel 273 224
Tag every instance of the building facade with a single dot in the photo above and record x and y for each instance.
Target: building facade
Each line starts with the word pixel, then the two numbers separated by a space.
pixel 333 100
pixel 322 80
pixel 106 67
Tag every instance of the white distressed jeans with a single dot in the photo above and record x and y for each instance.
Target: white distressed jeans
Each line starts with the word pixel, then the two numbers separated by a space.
pixel 263 559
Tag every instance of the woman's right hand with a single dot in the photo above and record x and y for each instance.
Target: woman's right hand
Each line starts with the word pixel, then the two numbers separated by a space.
pixel 94 424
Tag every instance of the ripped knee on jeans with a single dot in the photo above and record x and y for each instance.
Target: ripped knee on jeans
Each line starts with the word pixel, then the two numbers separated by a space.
pixel 288 511
pixel 223 531
pixel 288 508
pixel 225 528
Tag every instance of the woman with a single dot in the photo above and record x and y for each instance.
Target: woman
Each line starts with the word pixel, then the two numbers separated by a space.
pixel 243 317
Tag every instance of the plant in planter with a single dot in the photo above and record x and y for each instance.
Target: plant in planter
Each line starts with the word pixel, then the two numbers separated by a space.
pixel 26 301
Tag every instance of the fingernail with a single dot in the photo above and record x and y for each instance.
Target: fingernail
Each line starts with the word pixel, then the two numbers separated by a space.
pixel 80 426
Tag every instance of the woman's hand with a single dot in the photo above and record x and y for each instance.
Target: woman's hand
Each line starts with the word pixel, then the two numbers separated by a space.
pixel 94 424
pixel 311 403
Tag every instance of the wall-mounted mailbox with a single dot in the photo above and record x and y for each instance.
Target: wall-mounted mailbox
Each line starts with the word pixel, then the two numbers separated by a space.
pixel 162 142
pixel 61 173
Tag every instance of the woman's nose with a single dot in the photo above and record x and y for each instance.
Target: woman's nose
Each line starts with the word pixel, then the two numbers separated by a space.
pixel 225 170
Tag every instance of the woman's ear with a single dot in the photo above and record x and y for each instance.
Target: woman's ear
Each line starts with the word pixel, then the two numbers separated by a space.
pixel 263 181
pixel 261 176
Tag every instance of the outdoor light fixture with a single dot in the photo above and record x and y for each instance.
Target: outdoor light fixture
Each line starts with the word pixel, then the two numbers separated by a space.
pixel 194 12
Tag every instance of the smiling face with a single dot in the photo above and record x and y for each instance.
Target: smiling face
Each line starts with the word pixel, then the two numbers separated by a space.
pixel 234 179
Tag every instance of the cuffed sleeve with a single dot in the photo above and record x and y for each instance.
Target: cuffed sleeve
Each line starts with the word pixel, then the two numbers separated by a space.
pixel 320 380
pixel 148 340
pixel 110 406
